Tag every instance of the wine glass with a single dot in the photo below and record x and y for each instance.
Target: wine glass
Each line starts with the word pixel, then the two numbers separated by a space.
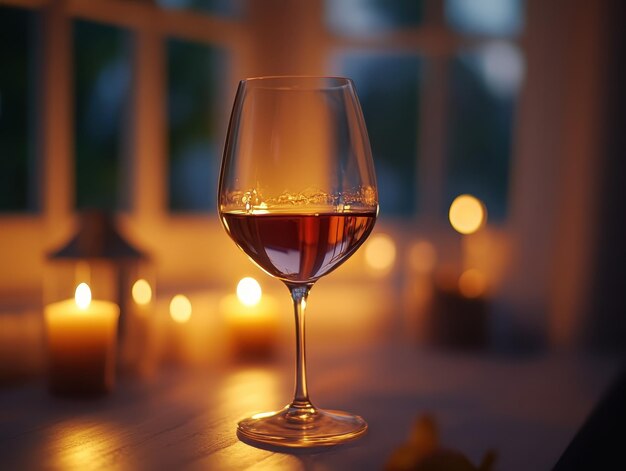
pixel 297 193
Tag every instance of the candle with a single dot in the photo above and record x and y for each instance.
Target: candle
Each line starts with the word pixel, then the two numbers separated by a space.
pixel 81 344
pixel 459 316
pixel 192 332
pixel 251 321
pixel 136 350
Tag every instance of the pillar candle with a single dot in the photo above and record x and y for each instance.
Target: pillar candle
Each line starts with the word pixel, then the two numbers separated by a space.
pixel 252 330
pixel 81 346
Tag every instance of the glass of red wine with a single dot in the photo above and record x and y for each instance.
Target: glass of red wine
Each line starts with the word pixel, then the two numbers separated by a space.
pixel 297 194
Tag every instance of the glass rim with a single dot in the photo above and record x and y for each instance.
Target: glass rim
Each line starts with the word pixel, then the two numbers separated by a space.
pixel 298 82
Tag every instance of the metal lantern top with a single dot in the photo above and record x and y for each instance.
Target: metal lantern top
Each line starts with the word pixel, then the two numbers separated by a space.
pixel 98 238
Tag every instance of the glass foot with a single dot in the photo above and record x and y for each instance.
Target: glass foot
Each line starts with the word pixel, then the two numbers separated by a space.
pixel 290 428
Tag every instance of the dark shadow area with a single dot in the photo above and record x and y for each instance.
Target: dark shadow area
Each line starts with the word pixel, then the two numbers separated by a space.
pixel 600 442
pixel 606 317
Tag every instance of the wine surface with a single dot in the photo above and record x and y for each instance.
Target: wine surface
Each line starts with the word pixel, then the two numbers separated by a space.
pixel 299 248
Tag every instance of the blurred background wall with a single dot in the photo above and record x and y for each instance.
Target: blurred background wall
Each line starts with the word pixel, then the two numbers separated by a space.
pixel 122 106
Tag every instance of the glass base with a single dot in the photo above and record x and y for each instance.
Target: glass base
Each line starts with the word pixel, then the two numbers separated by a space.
pixel 292 428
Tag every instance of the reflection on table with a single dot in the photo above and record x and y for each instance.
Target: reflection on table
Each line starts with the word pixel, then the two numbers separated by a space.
pixel 526 409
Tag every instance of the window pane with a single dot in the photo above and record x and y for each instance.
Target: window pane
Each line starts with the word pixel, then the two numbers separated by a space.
pixel 17 185
pixel 484 89
pixel 230 8
pixel 194 74
pixel 362 17
pixel 388 86
pixel 102 76
pixel 496 17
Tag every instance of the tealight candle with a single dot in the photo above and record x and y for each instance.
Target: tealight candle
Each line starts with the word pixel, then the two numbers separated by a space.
pixel 81 337
pixel 251 321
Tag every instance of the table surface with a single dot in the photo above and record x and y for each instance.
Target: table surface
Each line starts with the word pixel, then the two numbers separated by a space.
pixel 526 408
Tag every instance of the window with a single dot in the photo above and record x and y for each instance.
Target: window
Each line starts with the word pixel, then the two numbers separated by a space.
pixel 489 17
pixel 473 64
pixel 130 98
pixel 483 91
pixel 386 47
pixel 388 86
pixel 151 86
pixel 18 182
pixel 365 17
pixel 193 77
pixel 102 80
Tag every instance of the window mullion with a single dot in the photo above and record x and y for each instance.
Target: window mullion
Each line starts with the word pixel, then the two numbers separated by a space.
pixel 55 127
pixel 432 134
pixel 148 139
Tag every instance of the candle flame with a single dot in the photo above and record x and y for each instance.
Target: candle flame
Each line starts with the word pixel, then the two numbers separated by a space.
pixel 82 296
pixel 467 214
pixel 249 291
pixel 142 292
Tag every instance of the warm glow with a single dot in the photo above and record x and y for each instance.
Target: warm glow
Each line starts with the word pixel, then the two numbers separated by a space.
pixel 249 291
pixel 262 415
pixel 82 296
pixel 380 252
pixel 467 214
pixel 180 308
pixel 82 444
pixel 422 257
pixel 254 387
pixel 142 292
pixel 472 283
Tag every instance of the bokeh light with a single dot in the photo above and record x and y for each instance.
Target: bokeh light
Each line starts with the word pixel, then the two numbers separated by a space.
pixel 142 292
pixel 422 257
pixel 249 291
pixel 472 283
pixel 467 214
pixel 180 308
pixel 380 252
pixel 502 66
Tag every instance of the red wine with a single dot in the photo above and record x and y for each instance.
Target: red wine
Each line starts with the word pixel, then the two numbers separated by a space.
pixel 299 248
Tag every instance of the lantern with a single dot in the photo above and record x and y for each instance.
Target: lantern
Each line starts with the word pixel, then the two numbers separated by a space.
pixel 114 271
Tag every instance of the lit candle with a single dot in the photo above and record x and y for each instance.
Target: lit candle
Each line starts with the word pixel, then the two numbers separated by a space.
pixel 251 320
pixel 468 215
pixel 136 351
pixel 192 333
pixel 81 336
pixel 460 308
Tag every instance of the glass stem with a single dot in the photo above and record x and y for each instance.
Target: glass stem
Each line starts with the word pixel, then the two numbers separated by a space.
pixel 301 408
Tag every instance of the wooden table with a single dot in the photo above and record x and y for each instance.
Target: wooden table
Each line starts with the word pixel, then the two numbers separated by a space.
pixel 525 408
